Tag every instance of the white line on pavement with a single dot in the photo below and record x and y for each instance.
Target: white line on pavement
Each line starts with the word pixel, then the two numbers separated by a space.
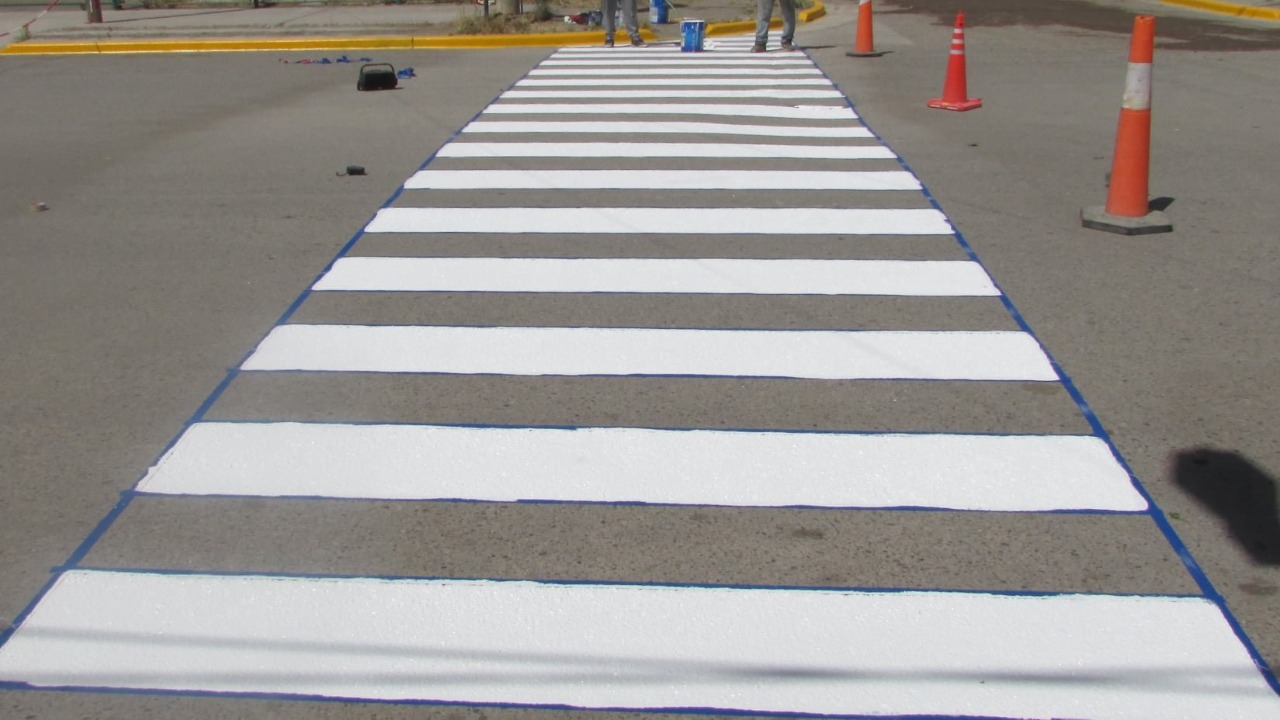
pixel 806 112
pixel 933 278
pixel 663 128
pixel 754 650
pixel 778 94
pixel 666 150
pixel 819 354
pixel 662 180
pixel 633 465
pixel 667 221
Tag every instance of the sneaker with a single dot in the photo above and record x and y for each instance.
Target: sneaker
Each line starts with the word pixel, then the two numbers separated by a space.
pixel 757 48
pixel 788 46
pixel 608 42
pixel 637 41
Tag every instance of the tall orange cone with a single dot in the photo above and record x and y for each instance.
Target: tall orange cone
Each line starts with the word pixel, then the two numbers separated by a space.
pixel 1128 209
pixel 865 44
pixel 955 93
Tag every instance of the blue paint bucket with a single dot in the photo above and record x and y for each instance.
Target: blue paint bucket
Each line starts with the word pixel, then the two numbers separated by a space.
pixel 657 12
pixel 692 32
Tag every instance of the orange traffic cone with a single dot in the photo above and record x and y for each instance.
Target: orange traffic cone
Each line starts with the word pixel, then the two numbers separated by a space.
pixel 955 93
pixel 865 44
pixel 1128 209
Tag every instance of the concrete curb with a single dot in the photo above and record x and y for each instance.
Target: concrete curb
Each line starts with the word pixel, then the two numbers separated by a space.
pixel 440 42
pixel 1226 8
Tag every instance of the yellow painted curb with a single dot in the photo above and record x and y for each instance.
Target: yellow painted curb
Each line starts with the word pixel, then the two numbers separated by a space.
pixel 1226 8
pixel 441 42
pixel 221 45
pixel 427 42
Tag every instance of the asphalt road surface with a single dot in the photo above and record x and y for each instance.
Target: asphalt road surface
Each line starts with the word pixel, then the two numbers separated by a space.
pixel 194 201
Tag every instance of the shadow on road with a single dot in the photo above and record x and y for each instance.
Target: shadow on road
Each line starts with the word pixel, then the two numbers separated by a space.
pixel 1239 493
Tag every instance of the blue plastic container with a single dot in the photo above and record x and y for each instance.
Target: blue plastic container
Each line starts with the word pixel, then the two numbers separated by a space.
pixel 692 32
pixel 657 12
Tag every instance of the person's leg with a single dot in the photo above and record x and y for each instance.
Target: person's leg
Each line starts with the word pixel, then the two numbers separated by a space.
pixel 788 8
pixel 630 22
pixel 764 13
pixel 608 12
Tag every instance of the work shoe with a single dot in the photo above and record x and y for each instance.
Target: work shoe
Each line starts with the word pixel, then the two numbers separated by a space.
pixel 758 47
pixel 637 41
pixel 608 42
pixel 788 46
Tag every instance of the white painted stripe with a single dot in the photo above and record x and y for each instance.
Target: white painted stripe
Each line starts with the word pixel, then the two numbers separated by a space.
pixel 625 465
pixel 659 55
pixel 650 648
pixel 662 179
pixel 662 71
pixel 671 82
pixel 933 278
pixel 822 354
pixel 743 60
pixel 807 112
pixel 778 94
pixel 667 221
pixel 598 50
pixel 663 128
pixel 689 150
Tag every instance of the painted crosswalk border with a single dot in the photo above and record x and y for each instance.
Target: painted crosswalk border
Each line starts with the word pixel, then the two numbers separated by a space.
pixel 647 648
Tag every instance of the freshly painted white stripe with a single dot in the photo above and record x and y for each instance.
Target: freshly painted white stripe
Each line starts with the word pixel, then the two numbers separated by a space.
pixel 663 179
pixel 819 354
pixel 934 278
pixel 657 53
pixel 663 71
pixel 625 465
pixel 689 150
pixel 598 50
pixel 667 221
pixel 778 94
pixel 661 128
pixel 647 648
pixel 807 112
pixel 744 60
pixel 664 128
pixel 669 82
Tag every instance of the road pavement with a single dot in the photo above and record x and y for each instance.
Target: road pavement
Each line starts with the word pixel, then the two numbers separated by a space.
pixel 181 226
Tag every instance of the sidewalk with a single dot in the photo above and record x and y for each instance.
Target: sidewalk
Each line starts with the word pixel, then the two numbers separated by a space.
pixel 327 27
pixel 65 28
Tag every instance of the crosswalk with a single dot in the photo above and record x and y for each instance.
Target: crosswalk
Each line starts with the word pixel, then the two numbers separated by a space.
pixel 776 195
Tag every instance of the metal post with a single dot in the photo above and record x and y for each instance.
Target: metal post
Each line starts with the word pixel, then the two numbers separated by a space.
pixel 95 11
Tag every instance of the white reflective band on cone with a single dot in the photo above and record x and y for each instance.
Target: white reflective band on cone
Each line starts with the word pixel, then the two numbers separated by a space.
pixel 1137 87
